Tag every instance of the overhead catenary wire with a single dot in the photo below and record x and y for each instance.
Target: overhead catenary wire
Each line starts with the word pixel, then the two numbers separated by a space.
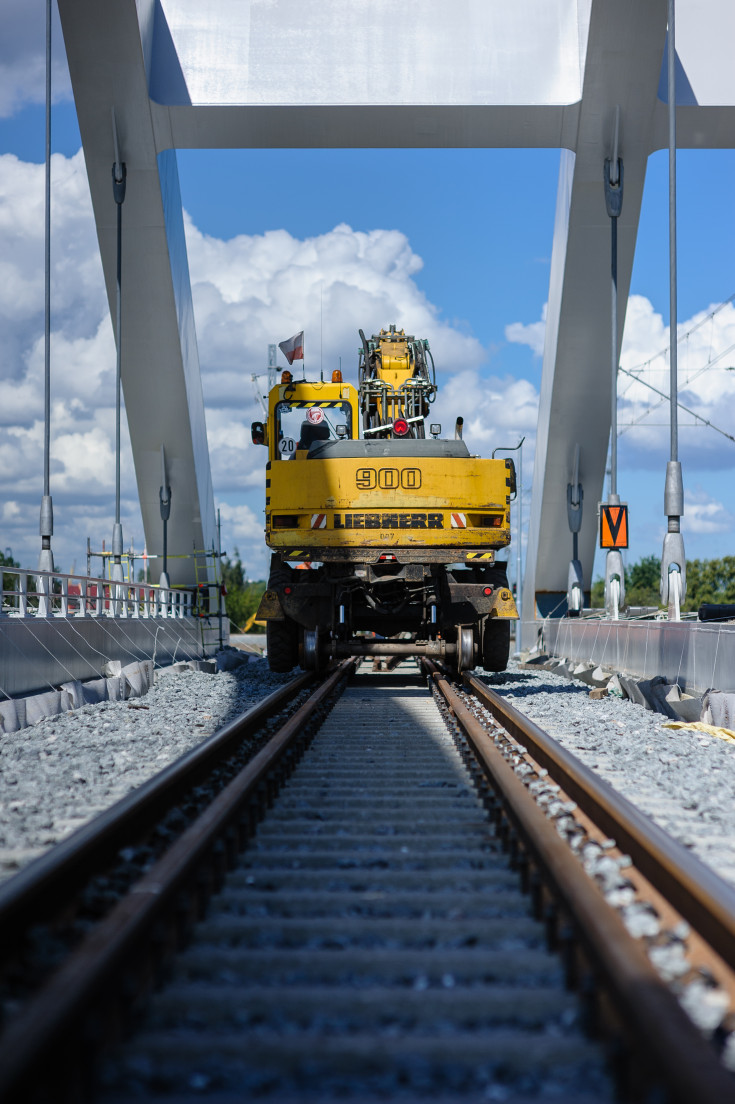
pixel 685 337
pixel 631 373
pixel 681 406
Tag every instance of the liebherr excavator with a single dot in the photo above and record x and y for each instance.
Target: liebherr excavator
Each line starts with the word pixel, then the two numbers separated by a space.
pixel 396 533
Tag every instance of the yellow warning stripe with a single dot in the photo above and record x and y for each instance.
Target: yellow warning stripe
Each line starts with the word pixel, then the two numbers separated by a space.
pixel 302 405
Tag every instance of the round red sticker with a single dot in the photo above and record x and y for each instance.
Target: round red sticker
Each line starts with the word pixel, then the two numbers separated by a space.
pixel 315 415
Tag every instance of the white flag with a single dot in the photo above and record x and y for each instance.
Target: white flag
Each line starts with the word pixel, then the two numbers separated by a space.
pixel 293 349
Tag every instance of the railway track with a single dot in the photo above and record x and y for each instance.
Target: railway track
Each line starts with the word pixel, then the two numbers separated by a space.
pixel 399 910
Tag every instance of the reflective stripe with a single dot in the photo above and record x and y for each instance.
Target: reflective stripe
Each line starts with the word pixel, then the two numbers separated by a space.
pixel 319 521
pixel 459 521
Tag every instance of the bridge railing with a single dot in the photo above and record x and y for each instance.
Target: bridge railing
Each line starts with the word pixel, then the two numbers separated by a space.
pixel 54 594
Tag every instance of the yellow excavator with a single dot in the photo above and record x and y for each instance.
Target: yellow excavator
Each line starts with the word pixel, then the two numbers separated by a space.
pixel 401 530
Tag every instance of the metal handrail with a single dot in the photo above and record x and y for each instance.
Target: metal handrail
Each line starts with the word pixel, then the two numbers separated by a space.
pixel 56 594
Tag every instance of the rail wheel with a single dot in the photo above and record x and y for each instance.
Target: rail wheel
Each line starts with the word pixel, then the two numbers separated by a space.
pixel 282 641
pixel 496 644
pixel 312 655
pixel 465 648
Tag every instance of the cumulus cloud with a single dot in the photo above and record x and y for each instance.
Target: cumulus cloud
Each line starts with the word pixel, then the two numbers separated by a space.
pixel 532 334
pixel 82 366
pixel 706 350
pixel 252 291
pixel 704 515
pixel 248 292
pixel 23 57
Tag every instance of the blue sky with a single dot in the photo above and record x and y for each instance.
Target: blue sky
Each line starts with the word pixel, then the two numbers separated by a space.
pixel 464 238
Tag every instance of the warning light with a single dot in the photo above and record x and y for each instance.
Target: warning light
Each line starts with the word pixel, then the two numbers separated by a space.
pixel 400 427
pixel 286 376
pixel 287 590
pixel 488 590
pixel 336 376
pixel 613 526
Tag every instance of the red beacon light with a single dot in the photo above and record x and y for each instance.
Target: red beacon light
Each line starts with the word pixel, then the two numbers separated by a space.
pixel 400 427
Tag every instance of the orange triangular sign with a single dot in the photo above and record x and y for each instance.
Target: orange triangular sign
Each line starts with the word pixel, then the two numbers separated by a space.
pixel 613 526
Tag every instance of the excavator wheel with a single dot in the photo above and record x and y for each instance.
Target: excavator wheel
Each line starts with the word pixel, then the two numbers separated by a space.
pixel 496 644
pixel 282 641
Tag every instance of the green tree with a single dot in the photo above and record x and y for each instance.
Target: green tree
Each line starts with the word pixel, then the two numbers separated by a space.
pixel 710 581
pixel 707 581
pixel 643 582
pixel 9 582
pixel 242 598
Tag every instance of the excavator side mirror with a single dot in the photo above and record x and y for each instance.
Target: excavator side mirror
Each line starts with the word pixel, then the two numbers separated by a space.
pixel 257 432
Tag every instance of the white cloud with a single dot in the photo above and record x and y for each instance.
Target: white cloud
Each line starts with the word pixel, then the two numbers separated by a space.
pixel 704 515
pixel 243 524
pixel 23 57
pixel 252 291
pixel 533 334
pixel 249 292
pixel 706 348
pixel 497 412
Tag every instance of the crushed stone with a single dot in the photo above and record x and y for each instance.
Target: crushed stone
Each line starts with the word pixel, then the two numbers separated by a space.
pixel 685 784
pixel 57 774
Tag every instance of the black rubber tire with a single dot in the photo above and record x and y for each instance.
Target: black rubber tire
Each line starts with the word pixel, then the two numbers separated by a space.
pixel 282 641
pixel 496 644
pixel 280 573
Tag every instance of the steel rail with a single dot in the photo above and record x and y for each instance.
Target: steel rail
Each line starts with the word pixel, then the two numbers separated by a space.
pixel 54 1018
pixel 43 887
pixel 702 898
pixel 648 1010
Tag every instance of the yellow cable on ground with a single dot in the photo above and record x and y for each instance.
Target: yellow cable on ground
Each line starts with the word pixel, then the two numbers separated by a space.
pixel 700 726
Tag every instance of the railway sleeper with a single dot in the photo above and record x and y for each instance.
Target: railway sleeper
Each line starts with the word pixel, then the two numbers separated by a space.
pixel 436 1020
pixel 358 966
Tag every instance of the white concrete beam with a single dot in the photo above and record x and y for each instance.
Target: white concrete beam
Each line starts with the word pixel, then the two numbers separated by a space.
pixel 343 73
pixel 160 365
pixel 624 52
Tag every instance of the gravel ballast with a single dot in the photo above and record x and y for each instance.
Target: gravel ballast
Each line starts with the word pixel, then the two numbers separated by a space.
pixel 56 775
pixel 683 780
